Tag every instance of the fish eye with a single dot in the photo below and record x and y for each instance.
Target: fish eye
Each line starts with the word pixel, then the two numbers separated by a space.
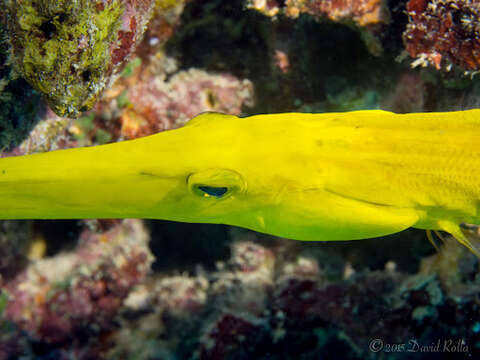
pixel 214 191
pixel 215 184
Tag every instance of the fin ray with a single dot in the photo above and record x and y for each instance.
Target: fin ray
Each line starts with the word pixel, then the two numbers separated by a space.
pixel 454 229
pixel 432 240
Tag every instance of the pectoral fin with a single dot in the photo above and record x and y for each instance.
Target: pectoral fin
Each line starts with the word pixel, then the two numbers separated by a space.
pixel 454 229
pixel 327 216
pixel 364 219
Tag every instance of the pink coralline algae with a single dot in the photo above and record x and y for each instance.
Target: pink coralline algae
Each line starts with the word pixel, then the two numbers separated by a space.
pixel 444 32
pixel 164 105
pixel 56 298
pixel 133 23
pixel 154 104
pixel 361 12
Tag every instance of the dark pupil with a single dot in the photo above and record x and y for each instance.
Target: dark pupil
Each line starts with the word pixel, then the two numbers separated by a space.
pixel 214 191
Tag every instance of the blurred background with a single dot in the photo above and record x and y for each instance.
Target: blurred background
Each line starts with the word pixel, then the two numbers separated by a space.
pixel 87 72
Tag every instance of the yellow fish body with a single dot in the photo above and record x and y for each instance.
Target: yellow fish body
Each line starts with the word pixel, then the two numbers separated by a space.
pixel 333 176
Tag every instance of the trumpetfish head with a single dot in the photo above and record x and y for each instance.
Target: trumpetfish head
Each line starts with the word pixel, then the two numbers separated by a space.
pixel 266 174
pixel 279 174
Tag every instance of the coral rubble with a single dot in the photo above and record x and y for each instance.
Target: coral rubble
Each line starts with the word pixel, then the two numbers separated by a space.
pixel 72 50
pixel 444 32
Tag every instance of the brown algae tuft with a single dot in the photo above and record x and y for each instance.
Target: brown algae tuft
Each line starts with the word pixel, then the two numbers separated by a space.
pixel 71 50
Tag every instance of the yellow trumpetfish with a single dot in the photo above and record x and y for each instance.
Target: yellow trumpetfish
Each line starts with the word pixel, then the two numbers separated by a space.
pixel 333 176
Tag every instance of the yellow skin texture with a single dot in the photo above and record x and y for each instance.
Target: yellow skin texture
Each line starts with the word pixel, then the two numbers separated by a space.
pixel 333 176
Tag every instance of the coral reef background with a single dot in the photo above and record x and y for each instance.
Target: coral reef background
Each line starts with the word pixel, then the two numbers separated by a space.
pixel 85 72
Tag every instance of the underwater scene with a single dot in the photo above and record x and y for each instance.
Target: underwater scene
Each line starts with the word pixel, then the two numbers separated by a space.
pixel 239 179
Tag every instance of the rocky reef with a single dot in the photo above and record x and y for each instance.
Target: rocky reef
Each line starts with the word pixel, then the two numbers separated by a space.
pixel 72 50
pixel 135 289
pixel 262 302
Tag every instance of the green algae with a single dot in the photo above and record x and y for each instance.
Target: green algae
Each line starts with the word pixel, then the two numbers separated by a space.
pixel 166 4
pixel 102 136
pixel 87 128
pixel 63 48
pixel 3 302
pixel 85 123
pixel 122 100
pixel 130 67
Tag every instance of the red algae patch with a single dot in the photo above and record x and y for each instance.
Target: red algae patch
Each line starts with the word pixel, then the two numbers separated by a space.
pixel 442 33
